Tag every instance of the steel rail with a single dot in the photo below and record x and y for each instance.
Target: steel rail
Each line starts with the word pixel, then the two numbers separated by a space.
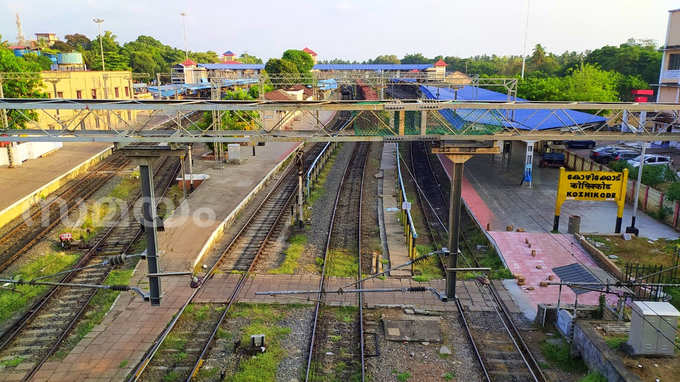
pixel 148 356
pixel 359 282
pixel 32 313
pixel 322 281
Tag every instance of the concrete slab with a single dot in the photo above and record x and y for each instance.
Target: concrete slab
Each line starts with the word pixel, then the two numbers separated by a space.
pixel 394 229
pixel 413 328
pixel 186 232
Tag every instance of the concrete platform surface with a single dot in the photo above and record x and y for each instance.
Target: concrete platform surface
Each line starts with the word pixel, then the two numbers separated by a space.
pixel 394 229
pixel 219 288
pixel 18 182
pixel 498 184
pixel 132 325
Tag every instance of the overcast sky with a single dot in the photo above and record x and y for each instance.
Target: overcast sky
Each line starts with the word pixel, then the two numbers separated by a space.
pixel 352 29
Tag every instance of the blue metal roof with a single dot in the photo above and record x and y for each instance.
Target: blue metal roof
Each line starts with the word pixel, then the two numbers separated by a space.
pixel 232 66
pixel 374 67
pixel 525 119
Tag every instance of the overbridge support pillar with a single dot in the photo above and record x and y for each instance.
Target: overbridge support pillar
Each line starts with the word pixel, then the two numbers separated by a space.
pixel 149 222
pixel 455 205
pixel 423 122
pixel 402 122
pixel 529 164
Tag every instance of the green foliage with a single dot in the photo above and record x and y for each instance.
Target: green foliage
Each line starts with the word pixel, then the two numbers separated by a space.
pixel 674 292
pixel 384 59
pixel 303 61
pixel 593 376
pixel 635 58
pixel 115 57
pixel 12 362
pixel 78 41
pixel 403 377
pixel 248 59
pixel 12 302
pixel 615 342
pixel 449 376
pixel 415 58
pixel 673 192
pixel 558 356
pixel 342 263
pixel 27 87
pixel 296 247
pixel 586 83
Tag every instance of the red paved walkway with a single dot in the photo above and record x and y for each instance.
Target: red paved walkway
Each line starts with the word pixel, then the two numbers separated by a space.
pixel 552 250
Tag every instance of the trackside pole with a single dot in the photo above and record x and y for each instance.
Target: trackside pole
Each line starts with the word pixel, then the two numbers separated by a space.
pixel 149 222
pixel 454 221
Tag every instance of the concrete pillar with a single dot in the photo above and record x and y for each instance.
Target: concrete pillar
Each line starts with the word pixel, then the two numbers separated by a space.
pixel 529 163
pixel 454 221
pixel 392 116
pixel 423 122
pixel 402 121
pixel 149 222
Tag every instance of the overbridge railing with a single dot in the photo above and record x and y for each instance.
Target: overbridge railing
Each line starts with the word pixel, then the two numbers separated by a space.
pixel 316 167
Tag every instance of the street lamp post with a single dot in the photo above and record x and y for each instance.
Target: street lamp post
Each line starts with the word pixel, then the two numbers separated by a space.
pixel 101 45
pixel 526 34
pixel 184 24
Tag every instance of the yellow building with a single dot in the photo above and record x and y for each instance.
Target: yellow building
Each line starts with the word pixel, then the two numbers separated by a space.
pixel 669 76
pixel 87 85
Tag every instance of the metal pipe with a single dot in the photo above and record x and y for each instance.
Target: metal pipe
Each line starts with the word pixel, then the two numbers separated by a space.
pixel 632 228
pixel 454 227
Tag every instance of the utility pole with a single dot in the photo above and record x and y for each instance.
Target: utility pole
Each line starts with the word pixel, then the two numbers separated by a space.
pixel 184 24
pixel 526 35
pixel 5 125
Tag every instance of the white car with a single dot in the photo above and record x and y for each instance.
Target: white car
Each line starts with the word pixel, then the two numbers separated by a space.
pixel 651 160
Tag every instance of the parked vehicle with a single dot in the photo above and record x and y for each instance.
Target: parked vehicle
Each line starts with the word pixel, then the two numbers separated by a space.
pixel 552 159
pixel 580 144
pixel 603 154
pixel 625 154
pixel 651 160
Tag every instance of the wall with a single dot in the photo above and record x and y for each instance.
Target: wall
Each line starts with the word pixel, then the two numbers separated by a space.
pixel 650 200
pixel 68 83
pixel 29 150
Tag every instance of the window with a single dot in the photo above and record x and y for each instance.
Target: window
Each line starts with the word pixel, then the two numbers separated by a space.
pixel 115 91
pixel 94 93
pixel 127 91
pixel 79 94
pixel 674 62
pixel 60 94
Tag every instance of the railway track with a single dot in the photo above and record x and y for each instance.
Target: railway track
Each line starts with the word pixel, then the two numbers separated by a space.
pixel 42 329
pixel 26 230
pixel 495 339
pixel 343 234
pixel 240 255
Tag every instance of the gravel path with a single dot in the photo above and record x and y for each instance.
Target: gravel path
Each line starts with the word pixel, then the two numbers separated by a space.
pixel 296 344
pixel 321 211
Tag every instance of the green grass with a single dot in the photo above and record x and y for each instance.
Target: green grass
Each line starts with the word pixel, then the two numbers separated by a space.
pixel 615 342
pixel 296 247
pixel 403 377
pixel 342 263
pixel 12 362
pixel 428 269
pixel 126 186
pixel 558 356
pixel 263 320
pixel 97 309
pixel 449 376
pixel 345 314
pixel 171 376
pixel 13 301
pixel 317 189
pixel 593 377
pixel 122 364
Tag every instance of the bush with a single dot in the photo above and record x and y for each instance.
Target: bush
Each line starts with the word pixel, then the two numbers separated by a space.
pixel 673 191
pixel 619 165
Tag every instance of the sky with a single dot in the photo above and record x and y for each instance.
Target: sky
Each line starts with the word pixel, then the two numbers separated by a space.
pixel 352 29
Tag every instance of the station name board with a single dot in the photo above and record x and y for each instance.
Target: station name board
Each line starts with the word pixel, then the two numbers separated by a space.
pixel 591 185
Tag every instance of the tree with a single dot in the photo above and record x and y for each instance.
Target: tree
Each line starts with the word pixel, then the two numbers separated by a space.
pixel 63 47
pixel 302 60
pixel 204 57
pixel 43 62
pixel 385 59
pixel 142 62
pixel 26 87
pixel 587 83
pixel 636 58
pixel 248 59
pixel 115 57
pixel 415 58
pixel 78 40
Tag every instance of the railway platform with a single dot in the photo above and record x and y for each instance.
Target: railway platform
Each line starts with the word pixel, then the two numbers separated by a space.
pixel 493 194
pixel 113 348
pixel 394 231
pixel 25 185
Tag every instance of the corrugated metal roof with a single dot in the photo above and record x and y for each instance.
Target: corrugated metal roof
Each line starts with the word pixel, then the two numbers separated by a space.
pixel 374 67
pixel 525 119
pixel 232 66
pixel 576 273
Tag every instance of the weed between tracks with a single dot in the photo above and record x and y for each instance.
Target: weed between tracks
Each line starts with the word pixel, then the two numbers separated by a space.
pixel 342 263
pixel 12 301
pixel 296 246
pixel 97 309
pixel 558 356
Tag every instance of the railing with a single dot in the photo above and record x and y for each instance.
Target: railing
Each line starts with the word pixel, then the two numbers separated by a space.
pixel 316 167
pixel 409 226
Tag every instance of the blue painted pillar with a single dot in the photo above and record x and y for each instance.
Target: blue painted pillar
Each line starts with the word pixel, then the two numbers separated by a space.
pixel 529 163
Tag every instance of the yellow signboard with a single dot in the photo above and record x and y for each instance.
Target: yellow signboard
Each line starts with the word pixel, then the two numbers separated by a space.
pixel 592 185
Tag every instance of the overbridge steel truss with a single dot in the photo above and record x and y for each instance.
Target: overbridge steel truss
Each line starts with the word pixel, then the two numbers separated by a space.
pixel 380 113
